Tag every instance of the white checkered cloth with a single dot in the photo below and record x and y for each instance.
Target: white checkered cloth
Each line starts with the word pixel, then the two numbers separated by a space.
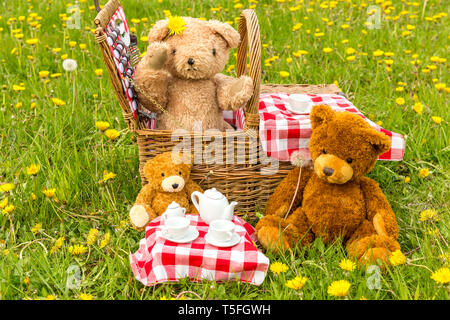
pixel 160 260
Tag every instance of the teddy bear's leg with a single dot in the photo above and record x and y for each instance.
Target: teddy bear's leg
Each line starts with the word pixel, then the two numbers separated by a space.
pixel 368 247
pixel 233 93
pixel 151 79
pixel 278 234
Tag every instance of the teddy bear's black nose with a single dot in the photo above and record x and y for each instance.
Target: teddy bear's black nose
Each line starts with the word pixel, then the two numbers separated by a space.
pixel 328 171
pixel 191 61
pixel 175 185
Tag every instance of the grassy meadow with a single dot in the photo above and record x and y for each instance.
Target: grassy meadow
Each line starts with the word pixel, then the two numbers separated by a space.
pixel 66 186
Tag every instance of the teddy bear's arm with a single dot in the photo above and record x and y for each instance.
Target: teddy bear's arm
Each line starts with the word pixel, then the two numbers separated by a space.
pixel 233 93
pixel 378 209
pixel 151 79
pixel 142 213
pixel 280 200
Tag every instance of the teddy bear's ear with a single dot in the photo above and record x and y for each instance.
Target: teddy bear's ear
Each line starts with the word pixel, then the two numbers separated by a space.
pixel 320 114
pixel 159 31
pixel 379 141
pixel 227 32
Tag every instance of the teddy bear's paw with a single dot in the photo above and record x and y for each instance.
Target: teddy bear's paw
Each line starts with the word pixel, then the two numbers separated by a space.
pixel 241 91
pixel 271 239
pixel 156 55
pixel 138 216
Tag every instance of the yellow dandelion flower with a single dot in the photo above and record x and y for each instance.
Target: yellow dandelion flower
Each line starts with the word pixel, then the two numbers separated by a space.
pixel 102 125
pixel 92 236
pixel 16 87
pixel 418 108
pixel 8 209
pixel 378 53
pixel 26 280
pixel 86 296
pixel 327 50
pixel 351 58
pixel 424 172
pixel 441 276
pixel 428 215
pixel 49 193
pixel 436 119
pixel 400 101
pixel 112 134
pixel 50 297
pixel 98 72
pixel 72 44
pixel 33 169
pixel 440 86
pixel 58 102
pixel 284 74
pixel 350 51
pixel 278 267
pixel 3 203
pixel 18 105
pixel 407 180
pixel 108 175
pixel 339 288
pixel 6 187
pixel 32 41
pixel 297 283
pixel 397 258
pixel 77 249
pixel 105 240
pixel 37 227
pixel 347 265
pixel 176 25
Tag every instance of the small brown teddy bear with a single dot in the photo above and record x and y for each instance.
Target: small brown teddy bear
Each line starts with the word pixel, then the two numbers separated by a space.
pixel 181 72
pixel 334 197
pixel 168 180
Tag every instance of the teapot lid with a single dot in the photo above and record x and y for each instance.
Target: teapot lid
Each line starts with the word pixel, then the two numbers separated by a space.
pixel 213 194
pixel 173 205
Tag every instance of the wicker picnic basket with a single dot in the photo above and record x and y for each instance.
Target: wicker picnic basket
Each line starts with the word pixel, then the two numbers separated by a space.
pixel 248 180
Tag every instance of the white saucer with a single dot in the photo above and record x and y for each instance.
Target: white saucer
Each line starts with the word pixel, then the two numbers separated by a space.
pixel 191 235
pixel 235 239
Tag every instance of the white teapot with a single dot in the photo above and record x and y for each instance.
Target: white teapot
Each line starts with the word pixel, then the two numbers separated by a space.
pixel 173 210
pixel 213 205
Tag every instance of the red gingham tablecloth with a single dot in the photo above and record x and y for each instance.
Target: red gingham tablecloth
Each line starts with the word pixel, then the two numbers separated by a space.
pixel 159 260
pixel 282 132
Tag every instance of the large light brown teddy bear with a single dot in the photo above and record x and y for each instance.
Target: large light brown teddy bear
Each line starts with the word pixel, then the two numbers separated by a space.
pixel 335 199
pixel 181 72
pixel 168 176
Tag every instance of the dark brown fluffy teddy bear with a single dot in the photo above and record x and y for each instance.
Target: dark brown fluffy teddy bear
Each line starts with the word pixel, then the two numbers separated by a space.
pixel 334 197
pixel 168 176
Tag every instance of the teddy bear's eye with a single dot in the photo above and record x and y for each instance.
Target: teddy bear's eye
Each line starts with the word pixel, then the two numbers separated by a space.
pixel 214 52
pixel 324 151
pixel 179 172
pixel 349 160
pixel 162 174
pixel 174 51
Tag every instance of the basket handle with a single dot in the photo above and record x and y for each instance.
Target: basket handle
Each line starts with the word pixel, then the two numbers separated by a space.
pixel 250 39
pixel 105 14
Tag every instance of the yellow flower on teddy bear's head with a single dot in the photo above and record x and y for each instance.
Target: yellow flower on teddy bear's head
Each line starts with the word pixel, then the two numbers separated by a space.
pixel 176 25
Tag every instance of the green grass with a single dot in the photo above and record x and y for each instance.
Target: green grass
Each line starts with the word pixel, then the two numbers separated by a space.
pixel 73 154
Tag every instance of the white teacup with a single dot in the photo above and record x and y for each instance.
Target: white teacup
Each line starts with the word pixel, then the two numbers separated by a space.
pixel 172 211
pixel 177 227
pixel 300 103
pixel 221 230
